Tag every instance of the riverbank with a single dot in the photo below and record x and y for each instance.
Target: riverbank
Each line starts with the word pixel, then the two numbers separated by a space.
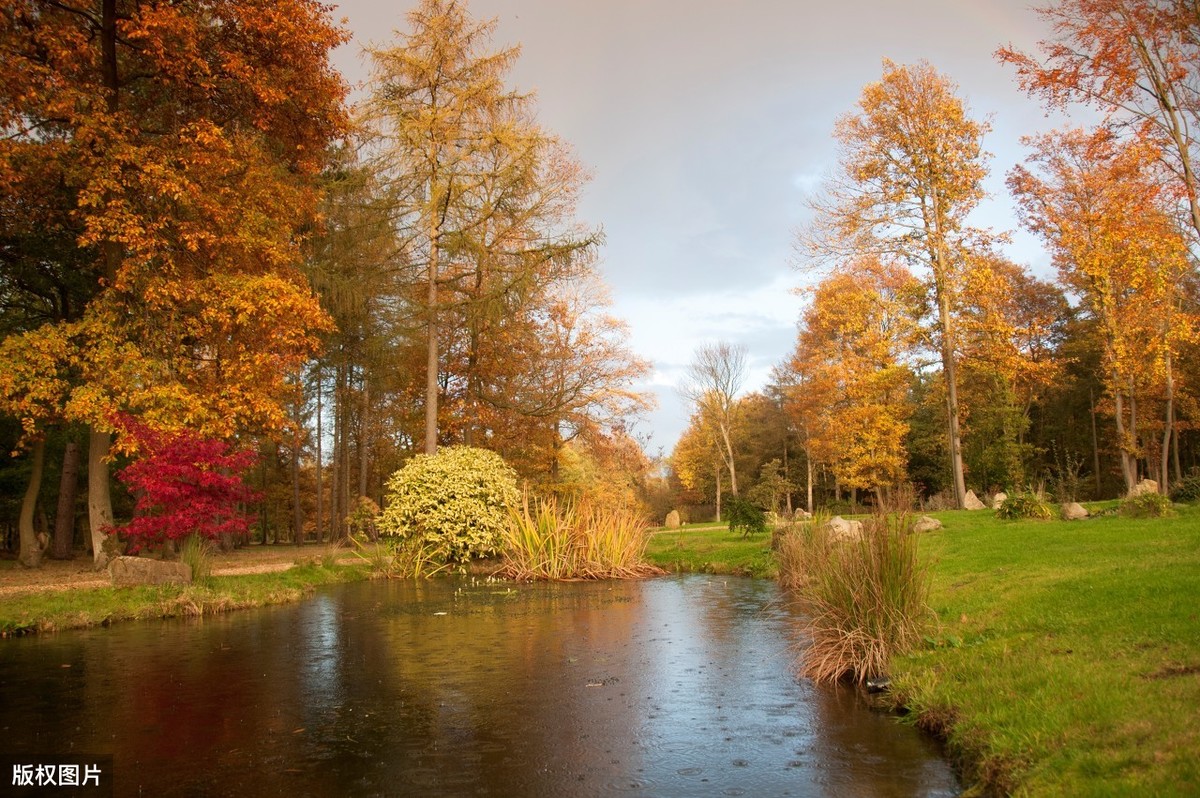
pixel 712 549
pixel 72 596
pixel 1066 657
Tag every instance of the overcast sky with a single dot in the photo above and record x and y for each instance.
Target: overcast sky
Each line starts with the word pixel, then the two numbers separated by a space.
pixel 706 123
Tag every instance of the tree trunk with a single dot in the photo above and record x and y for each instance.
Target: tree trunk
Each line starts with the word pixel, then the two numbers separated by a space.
pixel 1169 427
pixel 335 462
pixel 733 486
pixel 297 509
pixel 1095 442
pixel 363 437
pixel 431 361
pixel 100 515
pixel 939 263
pixel 68 488
pixel 809 470
pixel 31 549
pixel 320 462
pixel 1127 471
pixel 950 372
pixel 718 470
pixel 787 478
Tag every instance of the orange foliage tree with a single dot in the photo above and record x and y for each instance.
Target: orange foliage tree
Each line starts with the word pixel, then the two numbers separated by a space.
pixel 187 140
pixel 1136 61
pixel 851 373
pixel 911 170
pixel 1104 209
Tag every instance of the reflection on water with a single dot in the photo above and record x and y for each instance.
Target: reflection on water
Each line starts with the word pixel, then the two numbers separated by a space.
pixel 679 686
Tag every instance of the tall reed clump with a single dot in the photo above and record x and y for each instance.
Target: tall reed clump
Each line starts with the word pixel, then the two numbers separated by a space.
pixel 865 596
pixel 400 559
pixel 565 540
pixel 197 553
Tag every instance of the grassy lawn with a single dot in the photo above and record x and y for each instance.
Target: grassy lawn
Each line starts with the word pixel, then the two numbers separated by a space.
pixel 1067 661
pixel 51 610
pixel 706 548
pixel 1066 656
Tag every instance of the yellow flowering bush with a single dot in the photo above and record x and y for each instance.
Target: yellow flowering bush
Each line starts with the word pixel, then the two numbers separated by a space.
pixel 454 502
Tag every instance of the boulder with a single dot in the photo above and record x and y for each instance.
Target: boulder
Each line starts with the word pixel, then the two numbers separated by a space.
pixel 144 571
pixel 673 521
pixel 971 502
pixel 1072 511
pixel 841 529
pixel 998 500
pixel 1145 486
pixel 926 524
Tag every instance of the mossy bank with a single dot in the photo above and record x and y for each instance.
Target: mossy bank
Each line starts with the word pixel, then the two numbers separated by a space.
pixel 83 607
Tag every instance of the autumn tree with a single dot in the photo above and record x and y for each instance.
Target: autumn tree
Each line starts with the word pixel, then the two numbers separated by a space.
pixel 852 372
pixel 182 142
pixel 1136 61
pixel 1012 329
pixel 911 170
pixel 482 195
pixel 1101 206
pixel 184 484
pixel 714 380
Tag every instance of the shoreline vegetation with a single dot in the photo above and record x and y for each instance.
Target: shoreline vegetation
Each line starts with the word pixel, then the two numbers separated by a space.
pixel 1064 658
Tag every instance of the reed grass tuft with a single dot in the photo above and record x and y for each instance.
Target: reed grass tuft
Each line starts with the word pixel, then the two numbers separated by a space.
pixel 866 598
pixel 197 553
pixel 559 540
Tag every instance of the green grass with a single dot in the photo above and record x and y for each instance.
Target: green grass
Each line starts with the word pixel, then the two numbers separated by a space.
pixel 1068 656
pixel 52 610
pixel 700 548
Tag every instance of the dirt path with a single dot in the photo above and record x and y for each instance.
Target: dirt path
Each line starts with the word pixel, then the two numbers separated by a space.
pixel 78 573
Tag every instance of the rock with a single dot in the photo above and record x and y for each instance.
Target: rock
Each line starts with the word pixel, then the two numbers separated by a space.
pixel 144 571
pixel 998 500
pixel 841 529
pixel 1145 486
pixel 673 521
pixel 971 502
pixel 1072 511
pixel 803 515
pixel 879 684
pixel 926 524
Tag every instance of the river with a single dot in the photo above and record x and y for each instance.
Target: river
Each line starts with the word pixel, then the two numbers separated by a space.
pixel 677 686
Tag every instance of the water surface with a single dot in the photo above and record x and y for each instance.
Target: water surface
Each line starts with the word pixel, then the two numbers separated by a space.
pixel 680 686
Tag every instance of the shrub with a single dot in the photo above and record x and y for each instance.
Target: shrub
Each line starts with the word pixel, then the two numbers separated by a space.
pixel 866 599
pixel 453 503
pixel 364 521
pixel 185 484
pixel 745 515
pixel 1024 505
pixel 1187 490
pixel 1146 505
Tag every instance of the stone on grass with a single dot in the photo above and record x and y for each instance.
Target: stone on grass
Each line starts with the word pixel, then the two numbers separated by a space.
pixel 926 524
pixel 1073 511
pixel 1145 486
pixel 998 500
pixel 841 529
pixel 673 521
pixel 144 571
pixel 971 502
